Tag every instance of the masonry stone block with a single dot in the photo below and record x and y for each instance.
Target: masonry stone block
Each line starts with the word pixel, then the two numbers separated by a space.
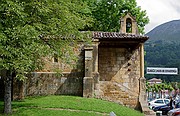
pixel 88 87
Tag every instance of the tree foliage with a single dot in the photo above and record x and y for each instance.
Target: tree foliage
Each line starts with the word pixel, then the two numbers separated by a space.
pixel 24 23
pixel 159 88
pixel 107 13
pixel 159 54
pixel 33 29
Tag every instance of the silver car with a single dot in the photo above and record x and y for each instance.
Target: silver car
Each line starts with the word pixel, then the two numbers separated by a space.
pixel 158 102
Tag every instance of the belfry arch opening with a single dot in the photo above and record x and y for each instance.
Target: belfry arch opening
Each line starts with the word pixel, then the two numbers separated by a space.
pixel 128 25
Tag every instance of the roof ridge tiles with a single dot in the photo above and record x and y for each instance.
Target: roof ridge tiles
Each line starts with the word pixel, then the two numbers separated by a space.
pixel 118 35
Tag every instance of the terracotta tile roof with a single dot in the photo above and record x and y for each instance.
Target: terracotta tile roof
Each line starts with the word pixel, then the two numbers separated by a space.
pixel 118 35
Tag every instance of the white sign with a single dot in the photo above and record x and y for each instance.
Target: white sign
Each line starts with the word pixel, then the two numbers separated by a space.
pixel 166 71
pixel 88 55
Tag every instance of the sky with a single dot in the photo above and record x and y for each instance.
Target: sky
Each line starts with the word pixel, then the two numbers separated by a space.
pixel 160 11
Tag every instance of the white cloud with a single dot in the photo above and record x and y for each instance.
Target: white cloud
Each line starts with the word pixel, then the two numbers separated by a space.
pixel 160 11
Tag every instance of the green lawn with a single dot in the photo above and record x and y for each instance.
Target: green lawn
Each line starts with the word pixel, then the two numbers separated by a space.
pixel 68 106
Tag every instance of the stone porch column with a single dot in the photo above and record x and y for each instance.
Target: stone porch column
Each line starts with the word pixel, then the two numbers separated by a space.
pixel 95 55
pixel 142 60
pixel 95 67
pixel 142 88
pixel 95 64
pixel 88 81
pixel 142 84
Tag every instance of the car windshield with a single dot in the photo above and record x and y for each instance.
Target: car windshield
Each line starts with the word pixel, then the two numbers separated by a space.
pixel 159 101
pixel 166 101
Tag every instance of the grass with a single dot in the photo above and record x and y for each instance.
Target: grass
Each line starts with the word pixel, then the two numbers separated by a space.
pixel 67 106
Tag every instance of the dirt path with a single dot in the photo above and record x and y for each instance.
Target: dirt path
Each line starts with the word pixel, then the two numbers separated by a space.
pixel 73 110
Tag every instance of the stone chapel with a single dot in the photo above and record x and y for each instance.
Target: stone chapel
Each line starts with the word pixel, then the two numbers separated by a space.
pixel 112 68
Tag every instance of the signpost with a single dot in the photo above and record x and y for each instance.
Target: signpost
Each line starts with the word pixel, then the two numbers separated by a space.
pixel 166 71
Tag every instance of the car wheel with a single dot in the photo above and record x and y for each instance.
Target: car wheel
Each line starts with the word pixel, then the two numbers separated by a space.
pixel 152 107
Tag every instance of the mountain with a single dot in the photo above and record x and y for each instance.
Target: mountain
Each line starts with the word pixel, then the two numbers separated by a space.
pixel 163 49
pixel 166 32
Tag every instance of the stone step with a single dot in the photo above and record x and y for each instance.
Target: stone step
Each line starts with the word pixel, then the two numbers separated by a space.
pixel 146 110
pixel 149 112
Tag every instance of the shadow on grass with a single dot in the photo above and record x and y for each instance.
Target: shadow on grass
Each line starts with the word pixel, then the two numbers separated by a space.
pixel 20 104
pixel 1 106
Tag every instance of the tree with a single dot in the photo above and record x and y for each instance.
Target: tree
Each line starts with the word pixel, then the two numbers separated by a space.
pixel 158 88
pixel 160 54
pixel 148 89
pixel 107 14
pixel 33 29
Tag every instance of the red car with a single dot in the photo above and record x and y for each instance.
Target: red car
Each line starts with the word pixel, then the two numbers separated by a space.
pixel 174 112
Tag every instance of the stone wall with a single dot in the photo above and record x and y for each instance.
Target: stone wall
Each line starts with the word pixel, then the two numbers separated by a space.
pixel 69 80
pixel 48 83
pixel 119 70
pixel 115 77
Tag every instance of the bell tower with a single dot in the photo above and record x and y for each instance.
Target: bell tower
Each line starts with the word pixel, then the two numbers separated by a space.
pixel 128 24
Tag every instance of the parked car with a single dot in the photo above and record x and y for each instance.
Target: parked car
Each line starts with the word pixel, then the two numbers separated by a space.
pixel 174 112
pixel 158 102
pixel 165 108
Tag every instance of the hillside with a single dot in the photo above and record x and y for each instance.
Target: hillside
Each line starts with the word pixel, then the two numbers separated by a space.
pixel 163 49
pixel 166 32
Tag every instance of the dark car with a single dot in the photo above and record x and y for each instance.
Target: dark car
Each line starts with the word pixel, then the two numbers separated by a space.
pixel 165 108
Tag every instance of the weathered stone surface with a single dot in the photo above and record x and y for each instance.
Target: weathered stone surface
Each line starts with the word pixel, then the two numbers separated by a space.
pixel 88 87
pixel 51 83
pixel 116 81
